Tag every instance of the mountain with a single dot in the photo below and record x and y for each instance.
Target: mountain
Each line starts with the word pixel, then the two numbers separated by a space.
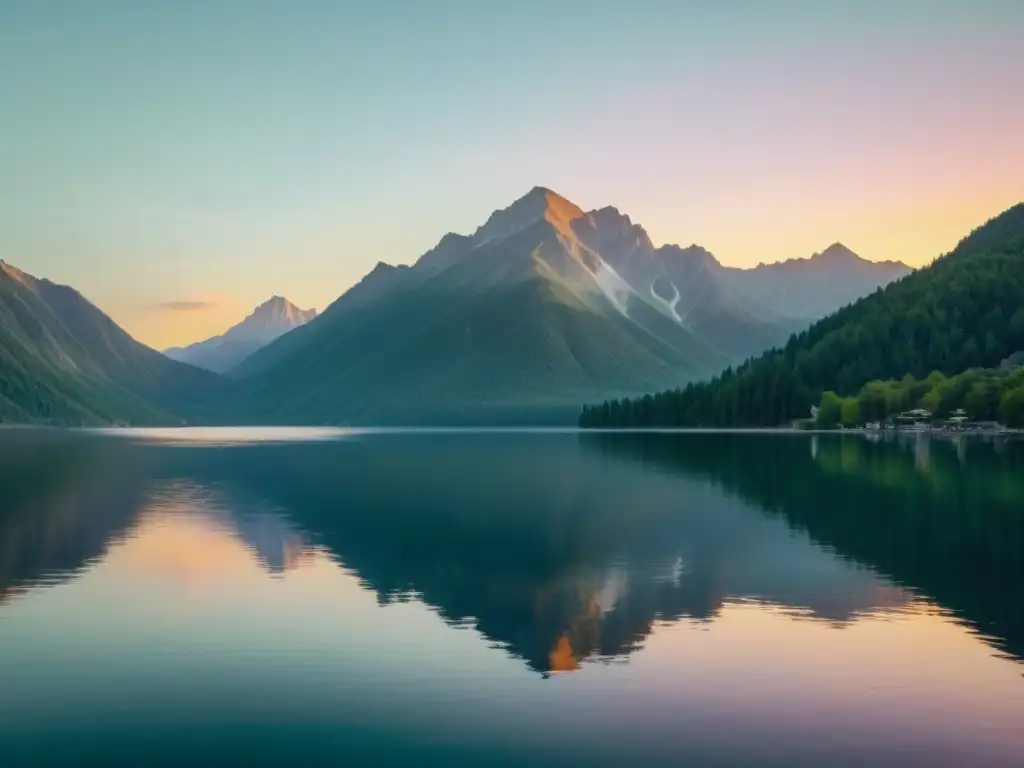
pixel 964 311
pixel 712 297
pixel 814 287
pixel 542 305
pixel 271 319
pixel 63 361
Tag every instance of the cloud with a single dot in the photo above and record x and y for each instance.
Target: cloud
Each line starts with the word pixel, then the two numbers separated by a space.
pixel 186 306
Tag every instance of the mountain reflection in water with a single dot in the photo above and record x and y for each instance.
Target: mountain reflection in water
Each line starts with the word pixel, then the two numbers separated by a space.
pixel 561 548
pixel 508 598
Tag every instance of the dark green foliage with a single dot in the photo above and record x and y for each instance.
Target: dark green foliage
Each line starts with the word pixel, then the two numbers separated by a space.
pixel 981 395
pixel 830 412
pixel 1011 407
pixel 962 312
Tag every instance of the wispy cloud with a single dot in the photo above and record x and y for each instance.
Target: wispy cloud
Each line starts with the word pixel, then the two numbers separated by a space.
pixel 186 306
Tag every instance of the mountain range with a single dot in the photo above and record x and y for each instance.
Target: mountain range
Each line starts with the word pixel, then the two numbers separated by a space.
pixel 541 308
pixel 271 319
pixel 963 312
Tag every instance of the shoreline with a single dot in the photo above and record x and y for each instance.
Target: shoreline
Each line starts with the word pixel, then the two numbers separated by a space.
pixel 353 430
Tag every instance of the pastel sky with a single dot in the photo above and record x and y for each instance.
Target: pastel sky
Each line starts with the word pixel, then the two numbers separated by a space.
pixel 181 161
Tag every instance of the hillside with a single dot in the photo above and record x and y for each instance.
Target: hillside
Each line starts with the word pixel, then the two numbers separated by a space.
pixel 270 320
pixel 63 361
pixel 541 307
pixel 964 311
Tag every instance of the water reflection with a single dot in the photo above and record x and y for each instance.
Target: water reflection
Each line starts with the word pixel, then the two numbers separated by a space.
pixel 555 557
pixel 942 517
pixel 63 500
pixel 717 599
pixel 560 555
pixel 554 547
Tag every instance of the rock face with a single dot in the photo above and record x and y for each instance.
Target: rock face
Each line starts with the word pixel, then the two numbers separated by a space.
pixel 542 307
pixel 270 320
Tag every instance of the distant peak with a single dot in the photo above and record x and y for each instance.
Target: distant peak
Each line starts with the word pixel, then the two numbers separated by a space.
pixel 836 255
pixel 279 306
pixel 275 302
pixel 838 252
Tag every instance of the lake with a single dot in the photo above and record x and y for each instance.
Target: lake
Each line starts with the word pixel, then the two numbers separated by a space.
pixel 279 597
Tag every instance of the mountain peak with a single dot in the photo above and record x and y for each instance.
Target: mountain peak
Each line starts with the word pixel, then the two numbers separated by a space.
pixel 539 204
pixel 275 302
pixel 280 307
pixel 271 319
pixel 837 252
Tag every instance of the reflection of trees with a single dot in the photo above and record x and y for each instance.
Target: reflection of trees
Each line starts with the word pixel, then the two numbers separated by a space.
pixel 62 499
pixel 552 553
pixel 952 527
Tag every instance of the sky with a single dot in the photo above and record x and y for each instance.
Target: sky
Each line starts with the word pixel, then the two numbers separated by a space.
pixel 179 162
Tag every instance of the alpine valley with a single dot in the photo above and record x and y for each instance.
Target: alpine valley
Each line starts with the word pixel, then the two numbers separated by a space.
pixel 544 307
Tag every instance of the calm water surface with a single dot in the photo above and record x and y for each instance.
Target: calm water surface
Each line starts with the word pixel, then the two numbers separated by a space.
pixel 331 597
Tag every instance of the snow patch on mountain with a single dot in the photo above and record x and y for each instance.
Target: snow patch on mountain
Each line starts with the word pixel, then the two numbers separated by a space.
pixel 613 286
pixel 669 304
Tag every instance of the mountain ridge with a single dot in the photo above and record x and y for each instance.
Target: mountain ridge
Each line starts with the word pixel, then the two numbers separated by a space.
pixel 63 361
pixel 836 252
pixel 962 312
pixel 542 307
pixel 400 338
